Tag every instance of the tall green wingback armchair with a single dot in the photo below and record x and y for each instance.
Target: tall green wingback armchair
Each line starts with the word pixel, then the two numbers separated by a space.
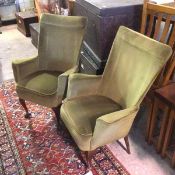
pixel 43 79
pixel 100 109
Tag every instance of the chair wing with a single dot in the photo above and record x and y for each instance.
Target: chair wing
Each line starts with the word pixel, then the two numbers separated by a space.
pixel 134 62
pixel 60 41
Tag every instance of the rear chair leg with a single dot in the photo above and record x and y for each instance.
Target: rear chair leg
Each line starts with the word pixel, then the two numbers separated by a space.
pixel 22 102
pixel 127 144
pixel 89 155
pixel 56 110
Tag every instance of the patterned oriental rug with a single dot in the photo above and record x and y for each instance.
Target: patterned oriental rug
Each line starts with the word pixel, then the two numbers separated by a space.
pixel 37 146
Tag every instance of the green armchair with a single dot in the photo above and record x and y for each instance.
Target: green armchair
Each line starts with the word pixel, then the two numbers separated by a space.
pixel 43 79
pixel 101 109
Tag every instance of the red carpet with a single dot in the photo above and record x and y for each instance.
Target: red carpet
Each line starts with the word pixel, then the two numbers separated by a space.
pixel 38 147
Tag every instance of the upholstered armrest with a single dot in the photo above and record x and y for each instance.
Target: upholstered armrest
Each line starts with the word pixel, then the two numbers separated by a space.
pixel 113 126
pixel 24 67
pixel 115 116
pixel 63 81
pixel 82 84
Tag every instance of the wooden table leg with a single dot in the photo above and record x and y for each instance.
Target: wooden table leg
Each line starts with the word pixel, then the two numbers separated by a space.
pixel 153 119
pixel 173 160
pixel 149 104
pixel 168 133
pixel 164 123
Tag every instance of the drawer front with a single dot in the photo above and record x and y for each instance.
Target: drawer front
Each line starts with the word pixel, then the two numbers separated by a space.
pixel 34 35
pixel 87 65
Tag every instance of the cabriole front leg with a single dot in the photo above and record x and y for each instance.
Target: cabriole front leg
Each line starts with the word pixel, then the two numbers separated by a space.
pixel 22 102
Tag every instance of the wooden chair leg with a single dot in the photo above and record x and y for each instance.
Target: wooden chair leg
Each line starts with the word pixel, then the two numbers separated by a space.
pixel 149 114
pixel 22 102
pixel 56 110
pixel 89 155
pixel 127 144
pixel 153 120
pixel 163 128
pixel 168 134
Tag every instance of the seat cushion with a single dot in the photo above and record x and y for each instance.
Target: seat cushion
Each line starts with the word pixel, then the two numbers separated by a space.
pixel 41 82
pixel 80 113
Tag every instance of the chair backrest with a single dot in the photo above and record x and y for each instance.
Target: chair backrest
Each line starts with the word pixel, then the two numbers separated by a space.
pixel 158 22
pixel 60 41
pixel 133 64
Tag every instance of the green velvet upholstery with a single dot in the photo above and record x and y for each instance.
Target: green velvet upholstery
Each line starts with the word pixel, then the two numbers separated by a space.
pixel 43 79
pixel 101 109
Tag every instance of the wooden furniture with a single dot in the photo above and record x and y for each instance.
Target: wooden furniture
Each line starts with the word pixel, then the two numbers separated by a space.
pixel 159 119
pixel 71 6
pixel 104 19
pixel 165 96
pixel 158 22
pixel 169 150
pixel 23 21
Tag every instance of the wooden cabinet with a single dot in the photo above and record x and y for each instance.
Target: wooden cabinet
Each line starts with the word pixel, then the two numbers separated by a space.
pixel 23 21
pixel 104 19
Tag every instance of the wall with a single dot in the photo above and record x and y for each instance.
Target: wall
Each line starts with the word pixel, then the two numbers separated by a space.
pixel 8 8
pixel 26 4
pixel 7 12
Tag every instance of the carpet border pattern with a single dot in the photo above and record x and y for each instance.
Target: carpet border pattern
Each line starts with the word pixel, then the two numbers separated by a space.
pixel 15 161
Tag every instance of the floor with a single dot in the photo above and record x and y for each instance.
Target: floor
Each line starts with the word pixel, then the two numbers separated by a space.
pixel 13 45
pixel 143 159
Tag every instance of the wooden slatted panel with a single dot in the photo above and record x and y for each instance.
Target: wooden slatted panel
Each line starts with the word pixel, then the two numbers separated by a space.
pixel 161 8
pixel 144 17
pixel 166 29
pixel 170 71
pixel 158 25
pixel 150 25
pixel 172 38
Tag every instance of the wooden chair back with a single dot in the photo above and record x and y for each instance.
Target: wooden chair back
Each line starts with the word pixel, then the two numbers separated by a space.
pixel 158 22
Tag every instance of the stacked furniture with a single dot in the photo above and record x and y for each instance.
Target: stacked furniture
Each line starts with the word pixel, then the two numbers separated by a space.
pixel 158 22
pixel 104 19
pixel 157 15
